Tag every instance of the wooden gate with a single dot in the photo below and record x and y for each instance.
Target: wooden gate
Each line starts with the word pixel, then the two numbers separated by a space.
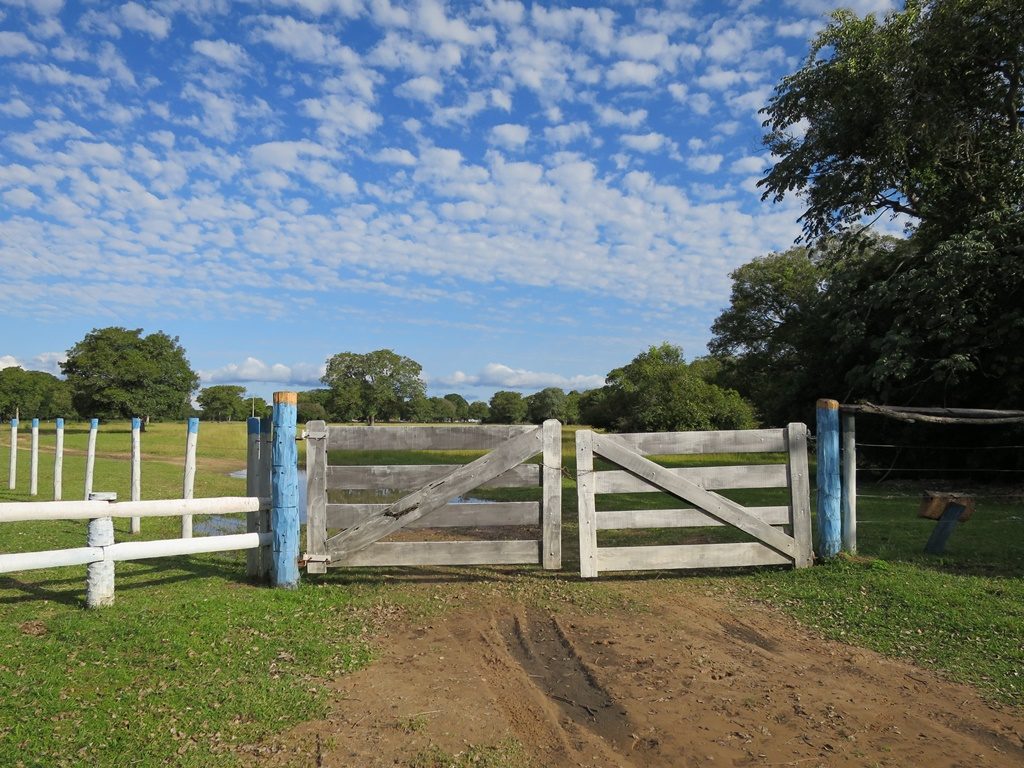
pixel 342 532
pixel 781 534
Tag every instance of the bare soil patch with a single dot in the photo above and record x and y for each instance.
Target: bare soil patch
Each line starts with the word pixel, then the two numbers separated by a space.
pixel 691 680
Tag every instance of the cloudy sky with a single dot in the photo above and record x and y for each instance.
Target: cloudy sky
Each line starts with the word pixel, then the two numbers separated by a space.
pixel 516 195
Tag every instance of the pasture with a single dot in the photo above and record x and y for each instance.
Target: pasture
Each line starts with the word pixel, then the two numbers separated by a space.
pixel 195 667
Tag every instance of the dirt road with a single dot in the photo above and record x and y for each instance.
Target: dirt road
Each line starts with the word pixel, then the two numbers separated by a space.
pixel 690 681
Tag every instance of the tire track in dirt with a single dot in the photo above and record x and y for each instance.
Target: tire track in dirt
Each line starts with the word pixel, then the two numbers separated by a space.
pixel 693 682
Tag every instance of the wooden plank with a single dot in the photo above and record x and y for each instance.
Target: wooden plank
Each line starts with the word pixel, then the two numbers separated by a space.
pixel 720 441
pixel 688 556
pixel 450 516
pixel 58 463
pixel 404 477
pixel 135 487
pixel 252 488
pixel 800 494
pixel 827 439
pixel 462 437
pixel 551 506
pixel 680 518
pixel 437 494
pixel 718 506
pixel 711 478
pixel 585 485
pixel 848 481
pixel 316 497
pixel 444 553
pixel 188 479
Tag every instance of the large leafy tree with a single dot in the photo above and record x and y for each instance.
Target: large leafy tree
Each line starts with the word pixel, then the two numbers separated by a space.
pixel 507 407
pixel 117 373
pixel 33 394
pixel 375 385
pixel 549 403
pixel 658 391
pixel 920 114
pixel 223 402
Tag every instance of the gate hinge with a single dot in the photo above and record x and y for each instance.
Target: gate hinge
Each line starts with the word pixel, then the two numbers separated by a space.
pixel 308 558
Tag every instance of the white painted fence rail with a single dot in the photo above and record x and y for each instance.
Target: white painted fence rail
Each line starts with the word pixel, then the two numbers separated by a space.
pixel 12 512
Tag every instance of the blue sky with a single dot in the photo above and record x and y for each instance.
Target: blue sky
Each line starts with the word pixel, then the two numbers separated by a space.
pixel 516 195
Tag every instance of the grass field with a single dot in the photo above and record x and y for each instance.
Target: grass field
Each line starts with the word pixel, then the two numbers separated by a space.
pixel 193 662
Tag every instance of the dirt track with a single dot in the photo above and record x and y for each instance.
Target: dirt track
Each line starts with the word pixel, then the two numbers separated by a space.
pixel 694 682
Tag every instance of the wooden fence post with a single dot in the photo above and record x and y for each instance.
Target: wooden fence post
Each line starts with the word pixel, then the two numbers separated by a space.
pixel 58 462
pixel 252 488
pixel 849 482
pixel 90 456
pixel 587 507
pixel 188 484
pixel 316 497
pixel 99 576
pixel 136 483
pixel 12 481
pixel 284 512
pixel 264 485
pixel 33 475
pixel 551 528
pixel 829 487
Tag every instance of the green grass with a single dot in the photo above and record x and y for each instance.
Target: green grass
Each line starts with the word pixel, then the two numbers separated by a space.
pixel 192 661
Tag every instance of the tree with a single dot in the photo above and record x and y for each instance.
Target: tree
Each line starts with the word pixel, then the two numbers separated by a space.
pixel 479 410
pixel 762 341
pixel 507 408
pixel 223 402
pixel 549 403
pixel 118 373
pixel 375 385
pixel 461 405
pixel 33 394
pixel 918 115
pixel 658 392
pixel 314 405
pixel 442 409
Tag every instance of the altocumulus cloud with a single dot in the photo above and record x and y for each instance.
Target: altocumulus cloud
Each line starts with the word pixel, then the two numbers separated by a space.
pixel 499 375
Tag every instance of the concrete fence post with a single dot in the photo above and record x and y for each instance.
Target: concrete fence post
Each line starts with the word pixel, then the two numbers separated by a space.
pixel 58 462
pixel 12 481
pixel 99 576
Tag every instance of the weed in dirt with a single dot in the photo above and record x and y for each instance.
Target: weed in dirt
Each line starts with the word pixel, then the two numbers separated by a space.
pixel 505 754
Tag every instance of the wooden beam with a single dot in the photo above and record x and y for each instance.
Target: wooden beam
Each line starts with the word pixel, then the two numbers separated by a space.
pixel 462 437
pixel 551 534
pixel 484 515
pixel 625 519
pixel 316 497
pixel 715 478
pixel 720 441
pixel 688 556
pixel 586 488
pixel 799 493
pixel 404 477
pixel 384 553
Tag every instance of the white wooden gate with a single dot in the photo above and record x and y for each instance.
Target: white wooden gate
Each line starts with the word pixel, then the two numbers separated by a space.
pixel 344 533
pixel 782 534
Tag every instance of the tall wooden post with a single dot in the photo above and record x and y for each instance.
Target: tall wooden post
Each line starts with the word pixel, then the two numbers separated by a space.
pixel 849 504
pixel 136 483
pixel 316 497
pixel 252 488
pixel 33 475
pixel 58 462
pixel 188 483
pixel 12 480
pixel 587 508
pixel 284 511
pixel 264 492
pixel 90 456
pixel 551 478
pixel 829 487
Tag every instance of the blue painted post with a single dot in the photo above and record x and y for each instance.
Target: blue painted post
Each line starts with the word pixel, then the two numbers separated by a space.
pixel 284 511
pixel 58 463
pixel 12 481
pixel 829 486
pixel 33 475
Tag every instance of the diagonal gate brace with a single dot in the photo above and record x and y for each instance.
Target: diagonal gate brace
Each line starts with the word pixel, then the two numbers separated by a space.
pixel 713 504
pixel 435 495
